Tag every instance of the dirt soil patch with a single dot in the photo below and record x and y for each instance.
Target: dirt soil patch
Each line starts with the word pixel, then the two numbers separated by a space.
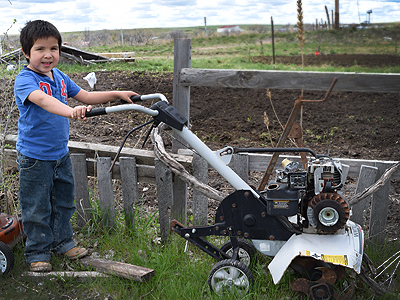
pixel 347 125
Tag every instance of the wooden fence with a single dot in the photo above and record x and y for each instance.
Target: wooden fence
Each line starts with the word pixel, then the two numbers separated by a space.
pixel 136 166
pixel 142 166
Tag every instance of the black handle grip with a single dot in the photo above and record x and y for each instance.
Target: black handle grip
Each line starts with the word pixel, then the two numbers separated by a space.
pixel 136 98
pixel 96 112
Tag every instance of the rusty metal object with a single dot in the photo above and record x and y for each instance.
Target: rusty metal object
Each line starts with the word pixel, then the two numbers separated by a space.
pixel 10 229
pixel 321 289
pixel 288 128
pixel 297 134
pixel 327 201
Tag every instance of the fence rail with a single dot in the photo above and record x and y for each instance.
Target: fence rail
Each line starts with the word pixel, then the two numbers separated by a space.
pixel 317 81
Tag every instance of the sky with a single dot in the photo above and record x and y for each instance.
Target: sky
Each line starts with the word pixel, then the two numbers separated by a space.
pixel 82 15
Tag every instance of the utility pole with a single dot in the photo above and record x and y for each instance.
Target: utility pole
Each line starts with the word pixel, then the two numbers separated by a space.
pixel 336 14
pixel 205 24
pixel 273 40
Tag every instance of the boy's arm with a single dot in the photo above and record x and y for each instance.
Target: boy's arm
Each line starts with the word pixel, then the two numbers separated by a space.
pixel 50 104
pixel 102 97
pixel 54 106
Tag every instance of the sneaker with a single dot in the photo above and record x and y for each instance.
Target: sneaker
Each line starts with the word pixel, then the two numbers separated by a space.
pixel 76 253
pixel 40 266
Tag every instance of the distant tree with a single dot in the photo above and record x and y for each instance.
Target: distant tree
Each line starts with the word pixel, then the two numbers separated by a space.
pixel 258 28
pixel 177 34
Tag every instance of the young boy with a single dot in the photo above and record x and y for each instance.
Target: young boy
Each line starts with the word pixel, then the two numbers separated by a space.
pixel 46 185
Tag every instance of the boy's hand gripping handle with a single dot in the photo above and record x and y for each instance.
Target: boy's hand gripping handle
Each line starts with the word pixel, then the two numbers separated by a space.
pixel 96 112
pixel 134 99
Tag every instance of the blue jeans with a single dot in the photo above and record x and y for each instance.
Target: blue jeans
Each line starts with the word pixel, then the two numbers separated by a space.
pixel 46 197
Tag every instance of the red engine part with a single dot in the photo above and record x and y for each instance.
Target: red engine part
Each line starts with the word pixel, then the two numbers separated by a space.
pixel 10 228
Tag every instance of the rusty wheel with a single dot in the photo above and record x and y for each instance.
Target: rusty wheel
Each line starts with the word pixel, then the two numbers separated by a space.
pixel 328 212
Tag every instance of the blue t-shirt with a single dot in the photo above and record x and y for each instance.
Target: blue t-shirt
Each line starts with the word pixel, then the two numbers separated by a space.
pixel 41 134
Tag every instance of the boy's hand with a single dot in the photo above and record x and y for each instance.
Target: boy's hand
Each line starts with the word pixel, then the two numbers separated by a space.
pixel 78 112
pixel 126 95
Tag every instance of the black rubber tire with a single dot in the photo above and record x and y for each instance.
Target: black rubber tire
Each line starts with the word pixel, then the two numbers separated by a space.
pixel 6 259
pixel 247 251
pixel 230 276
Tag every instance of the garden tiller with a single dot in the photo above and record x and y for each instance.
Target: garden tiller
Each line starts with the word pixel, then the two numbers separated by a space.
pixel 301 219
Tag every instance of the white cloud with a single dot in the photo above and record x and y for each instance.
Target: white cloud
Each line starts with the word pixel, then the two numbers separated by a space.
pixel 70 15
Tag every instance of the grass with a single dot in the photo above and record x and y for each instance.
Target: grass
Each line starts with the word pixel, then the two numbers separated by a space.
pixel 178 274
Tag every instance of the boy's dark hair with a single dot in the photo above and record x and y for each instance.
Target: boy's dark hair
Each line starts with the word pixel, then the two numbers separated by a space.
pixel 35 30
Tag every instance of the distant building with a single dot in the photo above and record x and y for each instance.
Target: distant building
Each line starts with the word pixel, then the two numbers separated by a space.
pixel 229 29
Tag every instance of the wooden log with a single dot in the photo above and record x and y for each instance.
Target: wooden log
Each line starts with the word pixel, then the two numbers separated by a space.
pixel 74 274
pixel 164 196
pixel 179 170
pixel 200 201
pixel 377 185
pixel 106 195
pixel 125 270
pixel 82 201
pixel 129 188
pixel 291 80
pixel 365 179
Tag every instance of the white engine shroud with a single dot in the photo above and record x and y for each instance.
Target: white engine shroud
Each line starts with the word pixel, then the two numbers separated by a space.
pixel 343 248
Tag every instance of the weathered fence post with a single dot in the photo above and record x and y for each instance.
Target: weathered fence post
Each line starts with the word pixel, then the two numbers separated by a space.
pixel 82 200
pixel 181 100
pixel 127 166
pixel 365 179
pixel 379 208
pixel 181 94
pixel 106 195
pixel 200 201
pixel 240 164
pixel 164 196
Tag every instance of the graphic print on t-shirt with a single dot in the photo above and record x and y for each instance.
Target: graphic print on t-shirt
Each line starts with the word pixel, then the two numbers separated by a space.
pixel 45 87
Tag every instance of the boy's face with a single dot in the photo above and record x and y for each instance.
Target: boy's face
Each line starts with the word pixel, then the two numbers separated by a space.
pixel 44 55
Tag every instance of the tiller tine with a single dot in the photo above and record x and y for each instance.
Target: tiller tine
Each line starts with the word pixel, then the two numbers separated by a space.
pixel 321 289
